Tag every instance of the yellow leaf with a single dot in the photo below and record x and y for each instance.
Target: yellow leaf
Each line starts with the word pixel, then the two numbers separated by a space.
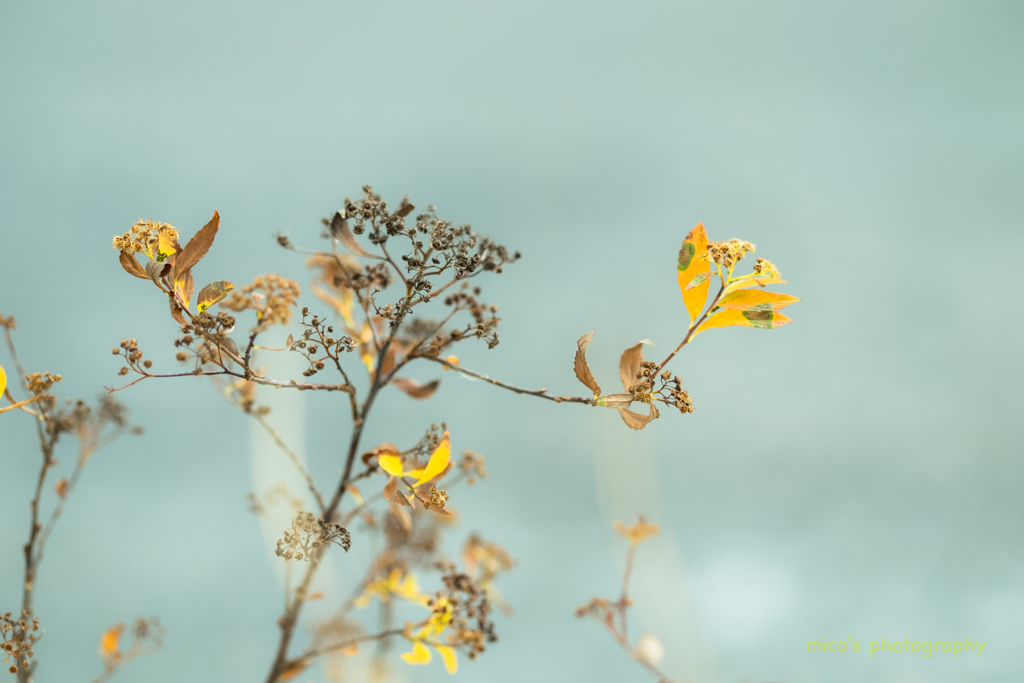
pixel 454 360
pixel 438 460
pixel 743 299
pixel 419 655
pixel 212 293
pixel 165 247
pixel 752 281
pixel 350 650
pixel 763 318
pixel 692 262
pixel 183 288
pixel 583 372
pixel 391 464
pixel 109 641
pixel 451 661
pixel 3 379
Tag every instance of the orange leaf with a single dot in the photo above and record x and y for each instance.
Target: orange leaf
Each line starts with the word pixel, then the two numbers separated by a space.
pixel 692 262
pixel 291 670
pixel 196 247
pixel 763 318
pixel 583 372
pixel 743 299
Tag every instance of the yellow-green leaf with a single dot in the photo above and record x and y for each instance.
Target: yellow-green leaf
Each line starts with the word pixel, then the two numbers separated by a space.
pixel 419 655
pixel 451 661
pixel 763 318
pixel 391 464
pixel 583 372
pixel 743 299
pixel 438 460
pixel 692 262
pixel 616 401
pixel 748 282
pixel 212 293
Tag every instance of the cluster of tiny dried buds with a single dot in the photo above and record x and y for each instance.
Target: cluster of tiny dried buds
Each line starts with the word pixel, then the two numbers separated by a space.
pixel 320 343
pixel 438 499
pixel 309 535
pixel 670 391
pixel 129 349
pixel 39 385
pixel 272 297
pixel 472 466
pixel 147 236
pixel 467 608
pixel 206 338
pixel 728 254
pixel 18 637
pixel 766 268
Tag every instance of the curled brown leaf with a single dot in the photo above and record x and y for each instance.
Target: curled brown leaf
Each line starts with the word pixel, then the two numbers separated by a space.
pixel 637 421
pixel 629 363
pixel 583 372
pixel 414 388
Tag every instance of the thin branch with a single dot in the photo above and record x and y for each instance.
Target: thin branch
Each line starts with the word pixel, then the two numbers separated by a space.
pixel 539 393
pixel 291 455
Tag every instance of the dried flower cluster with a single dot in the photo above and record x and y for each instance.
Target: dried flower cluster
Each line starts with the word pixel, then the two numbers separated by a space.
pixel 309 536
pixel 728 254
pixel 18 636
pixel 271 296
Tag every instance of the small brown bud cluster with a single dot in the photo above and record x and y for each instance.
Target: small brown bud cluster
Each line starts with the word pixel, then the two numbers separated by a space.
pixel 319 344
pixel 206 337
pixel 641 391
pixel 681 400
pixel 133 356
pixel 438 499
pixel 309 535
pixel 18 636
pixel 8 322
pixel 766 268
pixel 270 295
pixel 467 608
pixel 729 253
pixel 472 466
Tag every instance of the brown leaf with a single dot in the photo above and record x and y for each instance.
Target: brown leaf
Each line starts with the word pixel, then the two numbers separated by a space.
pixel 176 312
pixel 404 518
pixel 389 361
pixel 400 498
pixel 629 363
pixel 386 447
pixel 583 372
pixel 414 388
pixel 211 293
pixel 131 264
pixel 344 234
pixel 636 420
pixel 196 247
pixel 155 270
pixel 391 488
pixel 404 208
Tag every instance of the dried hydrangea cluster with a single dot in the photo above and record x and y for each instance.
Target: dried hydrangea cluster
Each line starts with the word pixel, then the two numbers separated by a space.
pixel 271 296
pixel 728 254
pixel 156 240
pixel 18 636
pixel 464 608
pixel 309 536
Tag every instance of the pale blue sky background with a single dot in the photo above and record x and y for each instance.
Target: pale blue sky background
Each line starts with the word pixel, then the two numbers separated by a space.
pixel 852 474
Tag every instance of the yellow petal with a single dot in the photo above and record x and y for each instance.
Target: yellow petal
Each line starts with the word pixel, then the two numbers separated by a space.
pixel 451 661
pixel 419 655
pixel 110 639
pixel 391 464
pixel 438 460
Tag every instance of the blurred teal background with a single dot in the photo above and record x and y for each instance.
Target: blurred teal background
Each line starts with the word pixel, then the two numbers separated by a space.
pixel 853 474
